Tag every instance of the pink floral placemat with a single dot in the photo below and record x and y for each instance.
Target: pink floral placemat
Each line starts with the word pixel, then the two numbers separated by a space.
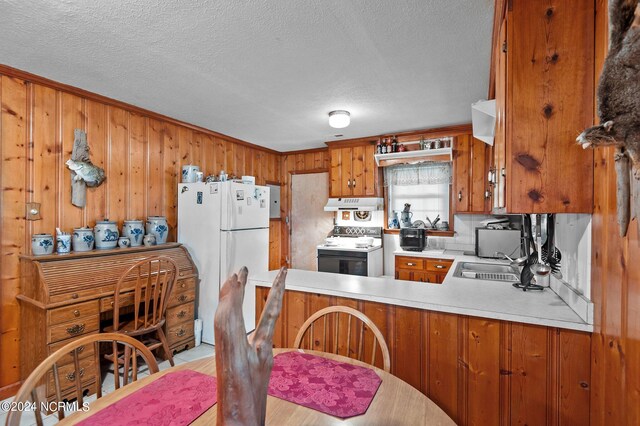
pixel 174 399
pixel 336 388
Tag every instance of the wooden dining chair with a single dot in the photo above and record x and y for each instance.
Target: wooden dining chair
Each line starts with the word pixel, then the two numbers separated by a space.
pixel 52 378
pixel 150 281
pixel 339 335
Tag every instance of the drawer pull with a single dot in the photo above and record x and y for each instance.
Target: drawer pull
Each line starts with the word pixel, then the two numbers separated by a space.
pixel 76 329
pixel 76 313
pixel 181 314
pixel 183 285
pixel 181 333
pixel 440 266
pixel 80 349
pixel 411 264
pixel 74 296
pixel 182 297
pixel 72 376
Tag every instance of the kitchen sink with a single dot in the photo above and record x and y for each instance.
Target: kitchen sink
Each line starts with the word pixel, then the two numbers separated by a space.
pixel 487 272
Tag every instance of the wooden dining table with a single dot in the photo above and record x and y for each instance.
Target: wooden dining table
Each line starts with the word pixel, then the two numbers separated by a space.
pixel 395 403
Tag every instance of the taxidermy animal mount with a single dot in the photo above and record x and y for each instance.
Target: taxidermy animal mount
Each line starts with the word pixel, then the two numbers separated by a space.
pixel 87 172
pixel 619 106
pixel 243 364
pixel 83 172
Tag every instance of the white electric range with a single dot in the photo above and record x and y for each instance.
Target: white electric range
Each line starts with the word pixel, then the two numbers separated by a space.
pixel 345 252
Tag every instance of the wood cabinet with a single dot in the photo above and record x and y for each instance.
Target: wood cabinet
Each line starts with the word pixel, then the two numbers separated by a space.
pixel 544 99
pixel 426 270
pixel 471 166
pixel 353 171
pixel 479 371
pixel 64 297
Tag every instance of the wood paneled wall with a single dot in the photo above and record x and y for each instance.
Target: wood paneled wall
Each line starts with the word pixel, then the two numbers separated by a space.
pixel 615 289
pixel 141 152
pixel 479 371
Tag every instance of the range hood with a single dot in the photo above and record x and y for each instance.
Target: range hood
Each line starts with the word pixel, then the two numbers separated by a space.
pixel 360 204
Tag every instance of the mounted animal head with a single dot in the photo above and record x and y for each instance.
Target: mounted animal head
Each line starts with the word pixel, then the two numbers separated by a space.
pixel 600 135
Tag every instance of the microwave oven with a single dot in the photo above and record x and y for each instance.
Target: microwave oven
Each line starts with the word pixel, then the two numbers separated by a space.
pixel 413 239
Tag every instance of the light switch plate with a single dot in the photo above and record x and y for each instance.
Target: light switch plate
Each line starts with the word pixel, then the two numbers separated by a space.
pixel 33 211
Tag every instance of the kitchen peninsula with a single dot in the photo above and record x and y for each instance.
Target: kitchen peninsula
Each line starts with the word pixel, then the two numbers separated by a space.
pixel 479 349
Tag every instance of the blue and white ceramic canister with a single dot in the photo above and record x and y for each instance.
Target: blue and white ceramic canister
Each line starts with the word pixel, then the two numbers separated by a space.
pixel 106 233
pixel 82 239
pixel 124 242
pixel 41 244
pixel 157 226
pixel 63 243
pixel 189 172
pixel 134 229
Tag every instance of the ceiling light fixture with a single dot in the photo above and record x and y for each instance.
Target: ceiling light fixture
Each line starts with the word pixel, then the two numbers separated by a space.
pixel 339 119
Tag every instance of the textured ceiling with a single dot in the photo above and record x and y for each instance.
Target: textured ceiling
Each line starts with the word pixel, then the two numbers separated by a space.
pixel 267 72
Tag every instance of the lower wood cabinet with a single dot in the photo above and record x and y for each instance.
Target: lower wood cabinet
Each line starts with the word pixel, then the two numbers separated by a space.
pixel 479 371
pixel 426 270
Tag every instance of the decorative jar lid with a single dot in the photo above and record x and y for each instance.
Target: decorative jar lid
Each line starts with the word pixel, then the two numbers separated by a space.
pixel 105 222
pixel 133 221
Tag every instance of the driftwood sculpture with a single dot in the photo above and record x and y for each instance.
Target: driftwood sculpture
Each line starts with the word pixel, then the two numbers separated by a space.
pixel 243 365
pixel 619 107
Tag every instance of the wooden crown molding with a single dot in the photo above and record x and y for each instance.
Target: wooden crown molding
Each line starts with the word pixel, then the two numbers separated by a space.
pixel 305 151
pixel 33 78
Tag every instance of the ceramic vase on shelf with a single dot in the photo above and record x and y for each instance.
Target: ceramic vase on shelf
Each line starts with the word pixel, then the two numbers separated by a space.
pixel 134 229
pixel 149 240
pixel 63 243
pixel 82 239
pixel 106 234
pixel 158 227
pixel 124 242
pixel 41 244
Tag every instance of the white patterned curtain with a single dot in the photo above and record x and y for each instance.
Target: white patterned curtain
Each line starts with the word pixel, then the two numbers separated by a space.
pixel 418 174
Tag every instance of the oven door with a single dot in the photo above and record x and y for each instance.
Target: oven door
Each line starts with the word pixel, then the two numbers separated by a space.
pixel 342 262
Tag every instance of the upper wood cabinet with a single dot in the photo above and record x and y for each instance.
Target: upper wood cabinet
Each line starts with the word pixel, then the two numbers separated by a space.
pixel 544 98
pixel 353 171
pixel 471 166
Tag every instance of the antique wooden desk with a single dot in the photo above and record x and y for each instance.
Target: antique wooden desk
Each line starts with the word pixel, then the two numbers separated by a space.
pixel 65 296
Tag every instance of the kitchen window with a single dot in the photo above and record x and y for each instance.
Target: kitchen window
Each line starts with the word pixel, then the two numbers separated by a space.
pixel 425 186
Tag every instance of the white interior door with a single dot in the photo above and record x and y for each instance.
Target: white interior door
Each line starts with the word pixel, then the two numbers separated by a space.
pixel 309 222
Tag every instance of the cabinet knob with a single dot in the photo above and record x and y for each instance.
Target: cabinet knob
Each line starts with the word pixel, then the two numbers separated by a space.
pixel 181 333
pixel 182 298
pixel 181 314
pixel 182 285
pixel 411 264
pixel 440 266
pixel 487 194
pixel 76 313
pixel 74 296
pixel 349 183
pixel 459 195
pixel 354 183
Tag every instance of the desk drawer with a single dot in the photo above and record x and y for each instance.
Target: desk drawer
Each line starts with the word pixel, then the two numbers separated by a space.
pixel 66 375
pixel 439 265
pixel 180 332
pixel 84 350
pixel 183 285
pixel 180 313
pixel 413 263
pixel 73 312
pixel 181 298
pixel 79 327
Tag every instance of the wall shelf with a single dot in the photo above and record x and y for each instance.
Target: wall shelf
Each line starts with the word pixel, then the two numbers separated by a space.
pixel 415 156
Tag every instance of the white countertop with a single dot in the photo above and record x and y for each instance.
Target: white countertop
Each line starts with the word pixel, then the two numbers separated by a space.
pixel 479 298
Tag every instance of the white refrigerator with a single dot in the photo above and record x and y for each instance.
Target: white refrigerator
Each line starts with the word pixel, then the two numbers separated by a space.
pixel 224 225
